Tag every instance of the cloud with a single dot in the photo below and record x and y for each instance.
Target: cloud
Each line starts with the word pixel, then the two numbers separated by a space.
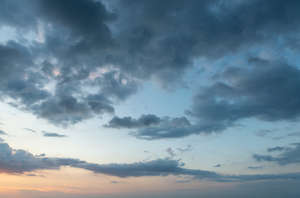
pixel 276 148
pixel 18 81
pixel 70 40
pixel 151 127
pixel 49 134
pixel 185 149
pixel 217 165
pixel 289 155
pixel 184 181
pixel 171 152
pixel 2 133
pixel 30 130
pixel 65 109
pixel 164 38
pixel 266 90
pixel 294 134
pixel 94 57
pixel 129 122
pixel 264 132
pixel 18 161
pixel 255 167
pixel 115 182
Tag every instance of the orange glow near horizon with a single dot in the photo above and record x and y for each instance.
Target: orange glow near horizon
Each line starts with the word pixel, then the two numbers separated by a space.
pixel 78 181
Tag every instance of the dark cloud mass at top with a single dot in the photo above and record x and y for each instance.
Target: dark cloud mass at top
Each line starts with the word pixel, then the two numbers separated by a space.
pixel 86 56
pixel 66 61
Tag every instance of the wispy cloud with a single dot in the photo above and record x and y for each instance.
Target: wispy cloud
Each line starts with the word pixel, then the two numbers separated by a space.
pixel 288 155
pixel 49 134
pixel 20 161
pixel 2 132
pixel 30 130
pixel 255 167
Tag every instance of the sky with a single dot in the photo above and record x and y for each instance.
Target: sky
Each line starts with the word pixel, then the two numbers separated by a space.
pixel 149 98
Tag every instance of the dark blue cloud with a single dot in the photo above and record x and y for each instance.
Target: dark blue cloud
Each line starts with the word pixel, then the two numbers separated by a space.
pixel 288 155
pixel 131 42
pixel 266 90
pixel 129 122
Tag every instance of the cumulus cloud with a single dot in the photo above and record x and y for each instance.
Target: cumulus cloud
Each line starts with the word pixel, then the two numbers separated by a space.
pixel 94 57
pixel 64 60
pixel 163 38
pixel 266 91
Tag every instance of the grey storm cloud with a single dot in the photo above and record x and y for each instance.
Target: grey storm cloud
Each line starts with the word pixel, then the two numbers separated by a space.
pixel 17 161
pixel 164 37
pixel 112 47
pixel 288 155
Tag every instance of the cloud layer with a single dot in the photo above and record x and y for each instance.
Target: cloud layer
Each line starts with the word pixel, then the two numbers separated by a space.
pixel 84 57
pixel 19 161
pixel 266 90
pixel 288 155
